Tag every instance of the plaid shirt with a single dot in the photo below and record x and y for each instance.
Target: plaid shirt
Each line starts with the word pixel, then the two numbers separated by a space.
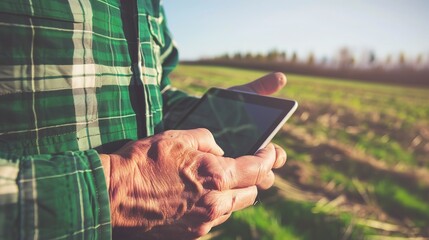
pixel 77 77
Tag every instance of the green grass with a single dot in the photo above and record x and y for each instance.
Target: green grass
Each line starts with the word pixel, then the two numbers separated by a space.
pixel 374 120
pixel 394 198
pixel 289 220
pixel 258 223
pixel 314 225
pixel 402 203
pixel 382 147
pixel 328 174
pixel 385 149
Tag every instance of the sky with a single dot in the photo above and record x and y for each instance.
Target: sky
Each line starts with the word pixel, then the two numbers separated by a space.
pixel 204 28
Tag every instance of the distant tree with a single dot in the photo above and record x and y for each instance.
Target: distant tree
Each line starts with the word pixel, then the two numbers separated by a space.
pixel 294 58
pixel 237 56
pixel 352 61
pixel 419 59
pixel 345 58
pixel 371 58
pixel 273 55
pixel 248 56
pixel 311 59
pixel 324 60
pixel 367 59
pixel 259 57
pixel 224 56
pixel 402 60
pixel 389 59
pixel 283 56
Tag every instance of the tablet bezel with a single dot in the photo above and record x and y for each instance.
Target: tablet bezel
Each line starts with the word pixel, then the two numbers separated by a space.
pixel 287 107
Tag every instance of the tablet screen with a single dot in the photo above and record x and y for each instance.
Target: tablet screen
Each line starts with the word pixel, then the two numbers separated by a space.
pixel 240 122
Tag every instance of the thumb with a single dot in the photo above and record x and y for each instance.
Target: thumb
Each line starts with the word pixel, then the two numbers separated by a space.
pixel 265 85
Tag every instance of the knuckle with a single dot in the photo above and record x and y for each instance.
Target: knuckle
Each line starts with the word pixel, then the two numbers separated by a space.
pixel 219 180
pixel 166 144
pixel 205 131
pixel 212 210
pixel 190 138
pixel 215 176
pixel 216 181
pixel 263 170
pixel 168 134
pixel 165 148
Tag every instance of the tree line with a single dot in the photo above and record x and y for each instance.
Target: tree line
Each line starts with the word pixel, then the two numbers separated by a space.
pixel 398 69
pixel 343 58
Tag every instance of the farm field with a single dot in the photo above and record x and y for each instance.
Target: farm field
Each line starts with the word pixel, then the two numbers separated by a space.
pixel 358 160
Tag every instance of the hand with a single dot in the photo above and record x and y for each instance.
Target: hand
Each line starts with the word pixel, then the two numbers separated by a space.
pixel 177 185
pixel 265 85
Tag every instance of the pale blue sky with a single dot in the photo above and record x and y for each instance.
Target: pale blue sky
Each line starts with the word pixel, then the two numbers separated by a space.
pixel 210 28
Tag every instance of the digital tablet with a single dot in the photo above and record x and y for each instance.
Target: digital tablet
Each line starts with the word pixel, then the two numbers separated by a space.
pixel 240 122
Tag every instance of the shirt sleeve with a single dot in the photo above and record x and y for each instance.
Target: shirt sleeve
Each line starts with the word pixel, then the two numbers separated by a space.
pixel 176 103
pixel 62 196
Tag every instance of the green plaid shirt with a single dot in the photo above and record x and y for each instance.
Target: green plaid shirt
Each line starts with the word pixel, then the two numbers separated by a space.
pixel 77 78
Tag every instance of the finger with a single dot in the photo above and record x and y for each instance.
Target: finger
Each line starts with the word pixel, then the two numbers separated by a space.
pixel 281 156
pixel 203 140
pixel 243 197
pixel 265 85
pixel 267 181
pixel 217 204
pixel 269 83
pixel 220 220
pixel 252 170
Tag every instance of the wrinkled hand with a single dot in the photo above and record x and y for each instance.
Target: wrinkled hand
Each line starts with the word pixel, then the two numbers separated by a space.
pixel 177 185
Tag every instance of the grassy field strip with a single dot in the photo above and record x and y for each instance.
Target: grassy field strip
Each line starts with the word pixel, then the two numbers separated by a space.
pixel 419 176
pixel 332 207
pixel 385 138
pixel 408 186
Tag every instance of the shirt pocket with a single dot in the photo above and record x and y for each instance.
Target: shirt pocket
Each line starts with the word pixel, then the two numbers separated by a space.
pixel 151 42
pixel 156 29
